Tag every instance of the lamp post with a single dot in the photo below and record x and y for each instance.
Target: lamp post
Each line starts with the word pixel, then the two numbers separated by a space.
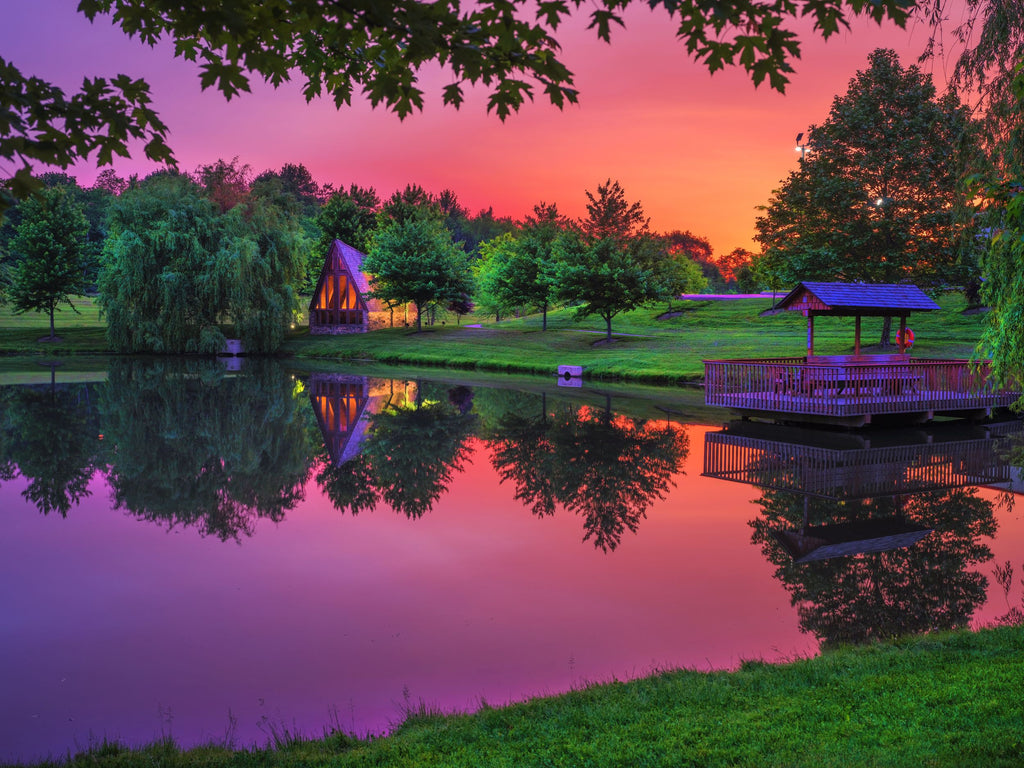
pixel 800 146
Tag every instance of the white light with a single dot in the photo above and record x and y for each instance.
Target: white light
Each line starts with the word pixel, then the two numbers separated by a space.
pixel 879 201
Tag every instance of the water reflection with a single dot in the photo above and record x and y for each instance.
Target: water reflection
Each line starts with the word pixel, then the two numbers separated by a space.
pixel 489 597
pixel 606 468
pixel 49 436
pixel 196 446
pixel 181 443
pixel 905 590
pixel 397 444
pixel 873 535
pixel 189 443
pixel 404 444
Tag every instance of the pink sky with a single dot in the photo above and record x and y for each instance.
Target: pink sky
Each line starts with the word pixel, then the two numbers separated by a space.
pixel 700 152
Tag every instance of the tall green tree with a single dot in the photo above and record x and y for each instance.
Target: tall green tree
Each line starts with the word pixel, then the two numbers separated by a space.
pixel 296 181
pixel 990 67
pixel 698 250
pixel 519 271
pixel 674 271
pixel 414 261
pixel 878 196
pixel 1003 289
pixel 412 202
pixel 611 265
pixel 270 190
pixel 95 203
pixel 49 252
pixel 350 217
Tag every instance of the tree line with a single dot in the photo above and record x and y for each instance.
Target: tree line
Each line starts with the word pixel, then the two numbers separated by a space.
pixel 178 260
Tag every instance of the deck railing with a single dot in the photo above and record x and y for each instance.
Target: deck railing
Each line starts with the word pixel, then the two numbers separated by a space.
pixel 857 473
pixel 794 385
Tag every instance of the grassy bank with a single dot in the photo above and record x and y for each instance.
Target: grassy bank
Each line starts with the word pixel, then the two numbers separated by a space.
pixel 941 700
pixel 80 332
pixel 647 347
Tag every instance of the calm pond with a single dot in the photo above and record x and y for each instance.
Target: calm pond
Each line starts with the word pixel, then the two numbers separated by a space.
pixel 229 556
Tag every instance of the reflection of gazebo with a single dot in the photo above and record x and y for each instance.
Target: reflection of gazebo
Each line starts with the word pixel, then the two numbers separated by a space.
pixel 861 467
pixel 853 389
pixel 856 537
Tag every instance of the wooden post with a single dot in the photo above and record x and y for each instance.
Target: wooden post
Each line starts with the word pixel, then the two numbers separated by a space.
pixel 902 336
pixel 856 336
pixel 810 334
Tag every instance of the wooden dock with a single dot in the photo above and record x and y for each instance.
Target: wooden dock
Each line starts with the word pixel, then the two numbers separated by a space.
pixel 853 390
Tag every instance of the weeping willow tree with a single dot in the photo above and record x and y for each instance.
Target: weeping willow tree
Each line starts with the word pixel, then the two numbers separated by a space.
pixel 989 71
pixel 176 271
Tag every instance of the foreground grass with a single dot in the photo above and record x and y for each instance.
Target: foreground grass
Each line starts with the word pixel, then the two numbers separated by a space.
pixel 647 347
pixel 941 700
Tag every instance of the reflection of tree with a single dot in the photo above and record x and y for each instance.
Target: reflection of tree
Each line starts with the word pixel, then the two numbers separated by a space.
pixel 49 436
pixel 349 486
pixel 927 586
pixel 522 453
pixel 413 452
pixel 194 446
pixel 1014 616
pixel 607 468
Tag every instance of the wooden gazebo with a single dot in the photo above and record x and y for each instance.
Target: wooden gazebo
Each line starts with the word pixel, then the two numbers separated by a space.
pixel 853 390
pixel 856 300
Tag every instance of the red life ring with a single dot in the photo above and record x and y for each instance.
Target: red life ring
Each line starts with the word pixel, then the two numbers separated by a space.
pixel 908 341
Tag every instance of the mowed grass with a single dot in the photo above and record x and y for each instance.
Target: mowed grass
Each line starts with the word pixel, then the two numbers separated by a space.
pixel 949 699
pixel 646 347
pixel 80 331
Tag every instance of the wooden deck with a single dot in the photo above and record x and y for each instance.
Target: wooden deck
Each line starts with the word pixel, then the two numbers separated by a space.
pixel 851 391
pixel 832 465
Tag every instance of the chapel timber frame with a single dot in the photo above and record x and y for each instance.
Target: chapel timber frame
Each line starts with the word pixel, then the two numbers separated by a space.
pixel 342 301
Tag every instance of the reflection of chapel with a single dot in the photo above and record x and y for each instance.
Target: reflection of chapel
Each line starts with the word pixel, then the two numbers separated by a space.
pixel 345 405
pixel 341 301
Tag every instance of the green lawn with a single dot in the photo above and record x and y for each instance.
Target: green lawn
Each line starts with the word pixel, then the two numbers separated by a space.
pixel 941 700
pixel 79 332
pixel 646 348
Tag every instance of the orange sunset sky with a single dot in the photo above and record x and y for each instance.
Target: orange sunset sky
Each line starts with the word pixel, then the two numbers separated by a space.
pixel 701 152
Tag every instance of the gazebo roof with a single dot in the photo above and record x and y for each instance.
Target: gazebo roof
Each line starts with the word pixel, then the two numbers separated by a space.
pixel 856 299
pixel 850 538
